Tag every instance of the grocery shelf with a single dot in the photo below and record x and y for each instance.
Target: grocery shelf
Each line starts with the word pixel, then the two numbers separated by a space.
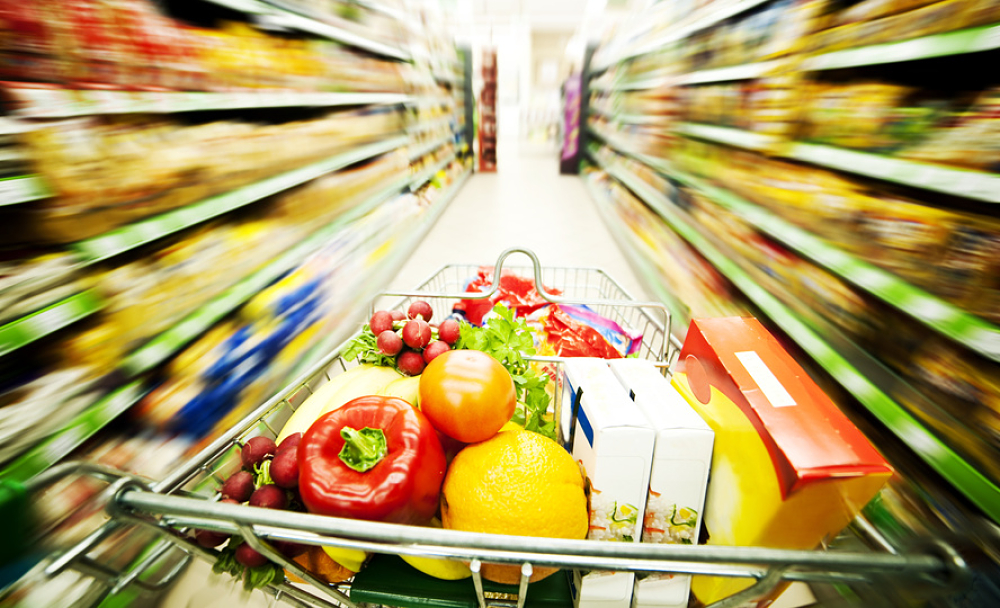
pixel 645 83
pixel 59 445
pixel 27 329
pixel 939 178
pixel 171 341
pixel 290 17
pixel 713 15
pixel 651 280
pixel 15 190
pixel 60 103
pixel 630 119
pixel 968 183
pixel 146 231
pixel 748 71
pixel 972 40
pixel 426 101
pixel 424 149
pixel 728 135
pixel 381 277
pixel 429 125
pixel 427 174
pixel 904 425
pixel 946 318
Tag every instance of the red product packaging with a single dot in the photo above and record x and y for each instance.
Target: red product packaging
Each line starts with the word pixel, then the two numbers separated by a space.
pixel 789 470
pixel 515 292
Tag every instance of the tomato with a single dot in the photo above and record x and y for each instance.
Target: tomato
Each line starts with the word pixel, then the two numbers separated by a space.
pixel 467 395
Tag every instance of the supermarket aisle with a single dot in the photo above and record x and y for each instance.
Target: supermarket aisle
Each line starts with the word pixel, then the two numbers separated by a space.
pixel 528 204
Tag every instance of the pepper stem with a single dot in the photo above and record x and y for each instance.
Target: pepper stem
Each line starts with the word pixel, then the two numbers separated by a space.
pixel 362 449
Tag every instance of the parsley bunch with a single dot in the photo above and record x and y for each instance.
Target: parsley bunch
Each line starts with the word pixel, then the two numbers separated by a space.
pixel 508 340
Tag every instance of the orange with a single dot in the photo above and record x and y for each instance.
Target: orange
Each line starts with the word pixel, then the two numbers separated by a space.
pixel 517 482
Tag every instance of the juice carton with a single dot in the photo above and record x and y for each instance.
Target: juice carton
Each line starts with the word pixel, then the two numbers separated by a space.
pixel 682 457
pixel 789 469
pixel 613 444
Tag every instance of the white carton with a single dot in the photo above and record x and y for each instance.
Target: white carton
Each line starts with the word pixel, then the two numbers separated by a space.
pixel 682 458
pixel 613 443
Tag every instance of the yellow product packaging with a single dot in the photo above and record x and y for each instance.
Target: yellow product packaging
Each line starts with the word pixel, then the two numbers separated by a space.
pixel 904 237
pixel 936 18
pixel 789 470
pixel 980 12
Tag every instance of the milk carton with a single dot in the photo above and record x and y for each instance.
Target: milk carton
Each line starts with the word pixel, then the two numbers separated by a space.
pixel 682 457
pixel 613 443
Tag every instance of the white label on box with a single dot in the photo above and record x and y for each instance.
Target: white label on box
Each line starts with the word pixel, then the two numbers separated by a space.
pixel 765 379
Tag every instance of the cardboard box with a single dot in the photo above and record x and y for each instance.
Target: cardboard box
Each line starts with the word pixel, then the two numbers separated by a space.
pixel 613 444
pixel 682 457
pixel 789 469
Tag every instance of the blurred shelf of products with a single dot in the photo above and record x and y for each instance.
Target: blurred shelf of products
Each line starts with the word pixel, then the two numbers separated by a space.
pixel 830 167
pixel 198 199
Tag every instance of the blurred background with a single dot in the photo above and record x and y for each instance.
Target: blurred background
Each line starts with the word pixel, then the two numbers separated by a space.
pixel 200 197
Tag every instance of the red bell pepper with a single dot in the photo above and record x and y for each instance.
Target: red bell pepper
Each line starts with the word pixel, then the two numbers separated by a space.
pixel 375 458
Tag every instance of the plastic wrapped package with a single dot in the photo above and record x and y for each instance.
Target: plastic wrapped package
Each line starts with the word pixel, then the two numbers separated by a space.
pixel 515 292
pixel 578 331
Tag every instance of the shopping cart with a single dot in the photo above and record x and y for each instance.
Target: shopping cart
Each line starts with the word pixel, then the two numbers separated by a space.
pixel 185 499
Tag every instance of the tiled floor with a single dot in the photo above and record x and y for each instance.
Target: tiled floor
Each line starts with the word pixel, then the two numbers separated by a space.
pixel 526 204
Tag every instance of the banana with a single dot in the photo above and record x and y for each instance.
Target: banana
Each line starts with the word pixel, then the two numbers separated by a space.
pixel 445 569
pixel 356 382
pixel 352 559
pixel 406 388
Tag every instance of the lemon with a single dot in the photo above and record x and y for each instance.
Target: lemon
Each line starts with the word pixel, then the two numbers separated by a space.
pixel 352 559
pixel 510 425
pixel 517 482
pixel 446 569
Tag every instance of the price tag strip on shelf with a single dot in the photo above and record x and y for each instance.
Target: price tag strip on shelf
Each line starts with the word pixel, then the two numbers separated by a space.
pixel 143 232
pixel 56 103
pixel 961 42
pixel 25 330
pixel 967 183
pixel 961 182
pixel 14 190
pixel 903 424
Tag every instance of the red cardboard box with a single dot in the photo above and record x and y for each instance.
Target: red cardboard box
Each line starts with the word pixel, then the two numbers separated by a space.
pixel 789 469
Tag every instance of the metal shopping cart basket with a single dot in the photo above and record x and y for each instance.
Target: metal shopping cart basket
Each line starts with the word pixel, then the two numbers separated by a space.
pixel 185 499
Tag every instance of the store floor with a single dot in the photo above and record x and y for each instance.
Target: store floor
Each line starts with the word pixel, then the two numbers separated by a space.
pixel 525 204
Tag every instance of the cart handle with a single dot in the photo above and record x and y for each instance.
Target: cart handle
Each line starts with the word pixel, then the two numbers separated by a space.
pixel 546 295
pixel 938 564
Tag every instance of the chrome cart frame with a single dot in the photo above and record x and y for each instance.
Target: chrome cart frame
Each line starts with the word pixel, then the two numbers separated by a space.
pixel 186 498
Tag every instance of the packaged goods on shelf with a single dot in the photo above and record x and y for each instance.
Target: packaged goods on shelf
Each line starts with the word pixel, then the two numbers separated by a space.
pixel 111 171
pixel 131 45
pixel 613 443
pixel 782 448
pixel 682 457
pixel 694 281
pixel 867 24
pixel 38 398
pixel 949 253
pixel 30 282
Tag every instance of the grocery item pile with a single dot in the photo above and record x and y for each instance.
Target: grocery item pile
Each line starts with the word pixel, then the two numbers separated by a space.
pixel 444 422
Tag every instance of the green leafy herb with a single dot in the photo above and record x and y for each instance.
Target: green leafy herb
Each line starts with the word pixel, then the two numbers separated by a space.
pixel 365 348
pixel 253 578
pixel 508 340
pixel 262 473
